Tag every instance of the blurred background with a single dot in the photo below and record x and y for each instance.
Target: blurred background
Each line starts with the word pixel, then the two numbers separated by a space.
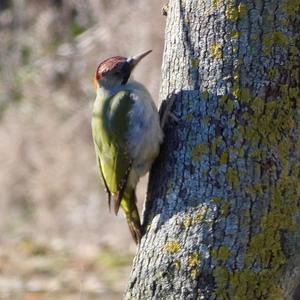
pixel 57 238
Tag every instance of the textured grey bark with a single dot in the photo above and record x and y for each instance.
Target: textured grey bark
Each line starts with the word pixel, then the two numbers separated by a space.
pixel 222 210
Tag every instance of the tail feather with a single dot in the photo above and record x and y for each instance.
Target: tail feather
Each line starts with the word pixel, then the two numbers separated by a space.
pixel 117 201
pixel 135 230
pixel 132 217
pixel 109 201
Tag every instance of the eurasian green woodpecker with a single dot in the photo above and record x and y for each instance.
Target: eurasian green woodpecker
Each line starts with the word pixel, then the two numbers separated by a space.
pixel 126 132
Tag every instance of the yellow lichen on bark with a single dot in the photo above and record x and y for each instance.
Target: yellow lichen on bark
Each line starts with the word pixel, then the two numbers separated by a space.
pixel 271 124
pixel 172 247
pixel 216 51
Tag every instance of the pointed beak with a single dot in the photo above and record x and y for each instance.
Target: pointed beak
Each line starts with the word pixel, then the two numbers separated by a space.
pixel 133 61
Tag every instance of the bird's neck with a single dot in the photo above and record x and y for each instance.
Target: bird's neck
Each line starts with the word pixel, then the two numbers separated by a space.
pixel 106 90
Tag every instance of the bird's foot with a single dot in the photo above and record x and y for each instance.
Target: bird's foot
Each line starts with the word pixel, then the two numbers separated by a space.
pixel 167 114
pixel 170 115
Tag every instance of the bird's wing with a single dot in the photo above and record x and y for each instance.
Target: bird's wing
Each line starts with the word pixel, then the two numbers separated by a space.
pixel 110 132
pixel 105 184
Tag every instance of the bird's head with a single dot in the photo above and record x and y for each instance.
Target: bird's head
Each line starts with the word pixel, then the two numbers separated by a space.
pixel 116 70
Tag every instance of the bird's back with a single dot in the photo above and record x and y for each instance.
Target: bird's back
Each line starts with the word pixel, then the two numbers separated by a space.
pixel 110 127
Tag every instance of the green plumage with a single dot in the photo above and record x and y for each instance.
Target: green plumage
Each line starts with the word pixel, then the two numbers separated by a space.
pixel 110 124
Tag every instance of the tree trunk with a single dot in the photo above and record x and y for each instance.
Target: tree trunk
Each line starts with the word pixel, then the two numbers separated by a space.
pixel 222 211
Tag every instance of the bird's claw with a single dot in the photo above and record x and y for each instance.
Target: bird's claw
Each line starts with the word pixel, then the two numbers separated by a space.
pixel 167 111
pixel 172 116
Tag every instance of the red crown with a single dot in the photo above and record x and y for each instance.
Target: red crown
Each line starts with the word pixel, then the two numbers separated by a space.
pixel 108 65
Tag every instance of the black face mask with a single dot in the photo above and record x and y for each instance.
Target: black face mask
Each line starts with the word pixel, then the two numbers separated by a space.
pixel 126 70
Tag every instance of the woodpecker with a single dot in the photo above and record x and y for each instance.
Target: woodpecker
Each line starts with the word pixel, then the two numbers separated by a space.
pixel 127 134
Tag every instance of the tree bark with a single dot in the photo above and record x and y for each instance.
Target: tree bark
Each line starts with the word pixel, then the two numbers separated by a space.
pixel 222 210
